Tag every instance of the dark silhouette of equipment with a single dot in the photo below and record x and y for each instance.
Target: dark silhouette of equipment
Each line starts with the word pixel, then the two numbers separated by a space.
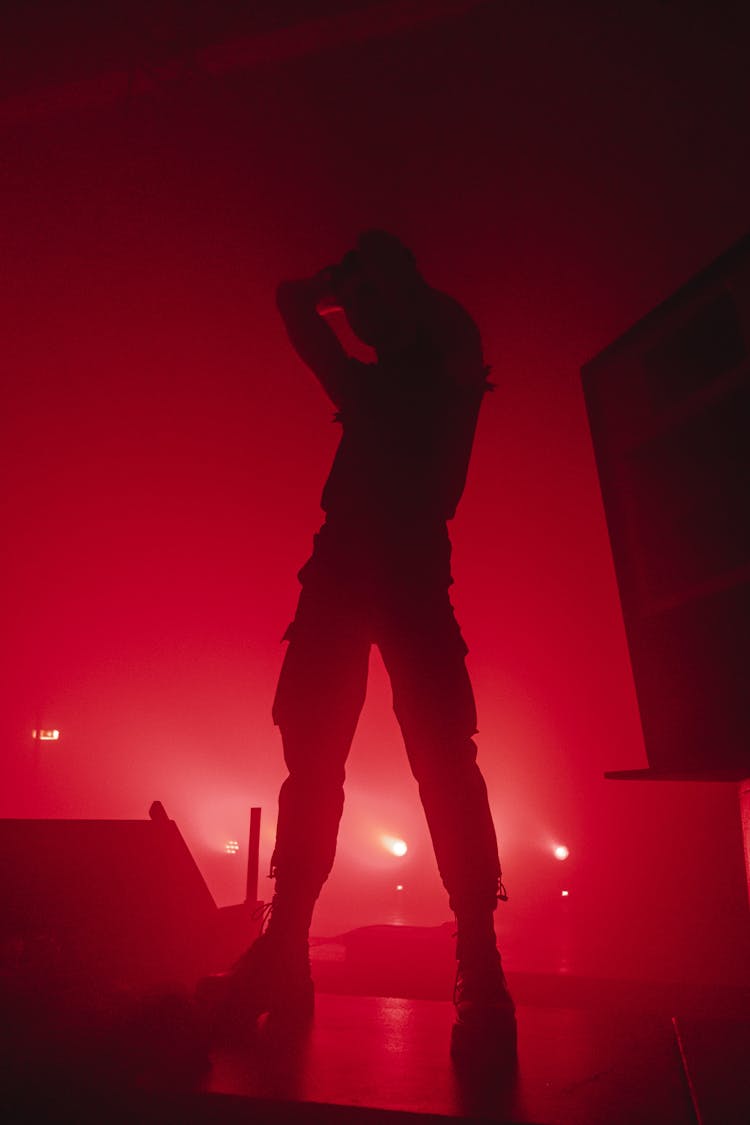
pixel 114 900
pixel 669 411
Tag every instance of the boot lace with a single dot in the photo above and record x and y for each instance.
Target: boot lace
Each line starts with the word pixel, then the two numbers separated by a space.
pixel 262 914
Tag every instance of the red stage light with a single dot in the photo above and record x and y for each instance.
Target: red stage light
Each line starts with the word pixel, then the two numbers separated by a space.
pixel 394 845
pixel 564 893
pixel 46 735
pixel 231 847
pixel 561 852
pixel 399 886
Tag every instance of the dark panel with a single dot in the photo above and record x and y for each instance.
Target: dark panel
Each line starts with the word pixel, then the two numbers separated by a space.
pixel 669 411
pixel 691 666
pixel 689 489
pixel 708 344
pixel 119 900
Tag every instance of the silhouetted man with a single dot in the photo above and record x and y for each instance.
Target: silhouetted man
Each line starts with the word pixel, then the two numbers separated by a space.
pixel 379 574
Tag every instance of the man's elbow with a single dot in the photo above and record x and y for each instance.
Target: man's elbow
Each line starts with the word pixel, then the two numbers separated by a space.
pixel 293 295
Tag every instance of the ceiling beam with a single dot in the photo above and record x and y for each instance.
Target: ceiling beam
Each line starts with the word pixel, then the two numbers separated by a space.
pixel 375 21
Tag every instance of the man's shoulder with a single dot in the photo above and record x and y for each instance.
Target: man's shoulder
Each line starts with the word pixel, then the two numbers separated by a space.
pixel 448 318
pixel 455 337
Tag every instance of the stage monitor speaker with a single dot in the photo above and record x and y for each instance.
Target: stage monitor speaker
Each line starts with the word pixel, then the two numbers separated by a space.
pixel 669 410
pixel 119 900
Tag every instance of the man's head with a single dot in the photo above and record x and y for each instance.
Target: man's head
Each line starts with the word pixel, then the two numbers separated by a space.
pixel 376 283
pixel 386 258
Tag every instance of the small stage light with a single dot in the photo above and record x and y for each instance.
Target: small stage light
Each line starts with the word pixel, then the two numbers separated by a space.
pixel 564 894
pixel 399 886
pixel 231 847
pixel 395 847
pixel 46 735
pixel 561 852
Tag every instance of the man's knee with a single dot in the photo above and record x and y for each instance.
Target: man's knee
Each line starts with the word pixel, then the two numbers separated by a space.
pixel 315 754
pixel 443 762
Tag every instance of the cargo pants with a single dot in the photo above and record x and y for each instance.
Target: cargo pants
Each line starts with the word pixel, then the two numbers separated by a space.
pixel 389 589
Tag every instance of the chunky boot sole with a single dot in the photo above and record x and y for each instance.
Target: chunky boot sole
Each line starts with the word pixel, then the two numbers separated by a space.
pixel 487 1041
pixel 293 1009
pixel 230 1011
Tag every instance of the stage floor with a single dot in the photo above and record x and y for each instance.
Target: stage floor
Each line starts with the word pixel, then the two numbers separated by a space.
pixel 368 1060
pixel 590 1051
pixel 574 1067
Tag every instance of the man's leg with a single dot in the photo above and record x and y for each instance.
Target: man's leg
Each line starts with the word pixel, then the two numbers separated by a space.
pixel 425 654
pixel 319 698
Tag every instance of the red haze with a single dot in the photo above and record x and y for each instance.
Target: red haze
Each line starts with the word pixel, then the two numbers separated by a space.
pixel 165 450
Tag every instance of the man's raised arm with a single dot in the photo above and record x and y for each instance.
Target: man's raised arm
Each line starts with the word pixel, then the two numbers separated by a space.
pixel 312 338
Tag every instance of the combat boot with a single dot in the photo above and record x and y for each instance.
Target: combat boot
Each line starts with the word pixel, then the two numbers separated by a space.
pixel 272 977
pixel 485 1025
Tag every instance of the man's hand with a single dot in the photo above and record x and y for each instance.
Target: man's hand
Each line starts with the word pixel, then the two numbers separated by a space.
pixel 302 305
pixel 323 288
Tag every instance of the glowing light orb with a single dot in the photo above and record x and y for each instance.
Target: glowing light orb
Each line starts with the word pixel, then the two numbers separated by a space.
pixel 232 847
pixel 394 845
pixel 561 852
pixel 399 886
pixel 564 893
pixel 46 735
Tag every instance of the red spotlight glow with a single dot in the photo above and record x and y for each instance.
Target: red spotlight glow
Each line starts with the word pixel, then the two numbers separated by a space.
pixel 561 852
pixel 231 847
pixel 46 735
pixel 394 845
pixel 564 893
pixel 399 886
